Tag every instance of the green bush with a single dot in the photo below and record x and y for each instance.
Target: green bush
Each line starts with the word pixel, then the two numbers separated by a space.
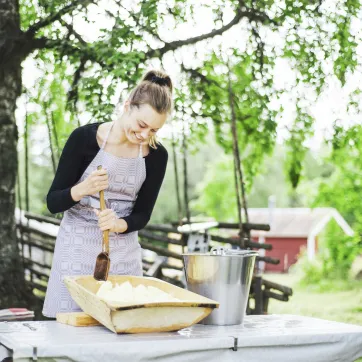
pixel 336 253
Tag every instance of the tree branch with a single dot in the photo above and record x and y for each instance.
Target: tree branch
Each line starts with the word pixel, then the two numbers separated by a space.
pixel 256 15
pixel 73 92
pixel 240 14
pixel 68 48
pixel 259 49
pixel 137 21
pixel 179 43
pixel 72 31
pixel 57 16
pixel 194 73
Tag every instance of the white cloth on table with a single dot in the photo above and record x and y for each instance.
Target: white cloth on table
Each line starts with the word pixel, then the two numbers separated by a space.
pixel 262 338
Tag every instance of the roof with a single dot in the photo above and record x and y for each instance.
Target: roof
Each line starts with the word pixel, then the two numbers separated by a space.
pixel 295 222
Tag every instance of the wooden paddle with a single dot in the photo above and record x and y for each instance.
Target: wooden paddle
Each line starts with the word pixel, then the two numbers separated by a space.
pixel 103 261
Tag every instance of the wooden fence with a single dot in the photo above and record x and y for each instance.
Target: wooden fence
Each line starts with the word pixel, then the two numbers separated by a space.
pixel 163 246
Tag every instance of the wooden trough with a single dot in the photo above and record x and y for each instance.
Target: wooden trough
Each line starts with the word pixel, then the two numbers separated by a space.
pixel 121 317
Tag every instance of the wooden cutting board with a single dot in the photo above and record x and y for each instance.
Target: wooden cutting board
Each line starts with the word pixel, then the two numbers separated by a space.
pixel 77 319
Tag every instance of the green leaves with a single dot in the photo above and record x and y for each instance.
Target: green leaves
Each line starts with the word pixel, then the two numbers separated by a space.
pixel 149 11
pixel 106 55
pixel 343 189
pixel 299 133
pixel 346 60
pixel 337 251
pixel 217 191
pixel 28 13
pixel 256 125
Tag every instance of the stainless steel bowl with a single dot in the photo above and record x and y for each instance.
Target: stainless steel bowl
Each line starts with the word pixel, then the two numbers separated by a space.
pixel 223 275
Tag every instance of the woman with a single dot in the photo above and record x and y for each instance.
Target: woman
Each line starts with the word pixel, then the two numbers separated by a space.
pixel 133 168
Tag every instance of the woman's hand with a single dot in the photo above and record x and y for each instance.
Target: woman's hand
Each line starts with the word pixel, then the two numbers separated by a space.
pixel 95 182
pixel 108 220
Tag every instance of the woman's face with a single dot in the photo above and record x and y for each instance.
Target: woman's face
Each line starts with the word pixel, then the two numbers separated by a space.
pixel 141 123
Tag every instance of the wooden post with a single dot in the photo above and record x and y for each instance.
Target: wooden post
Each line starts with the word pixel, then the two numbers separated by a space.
pixel 258 294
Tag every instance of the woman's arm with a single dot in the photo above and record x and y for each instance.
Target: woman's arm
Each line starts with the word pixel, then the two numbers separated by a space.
pixel 147 196
pixel 69 170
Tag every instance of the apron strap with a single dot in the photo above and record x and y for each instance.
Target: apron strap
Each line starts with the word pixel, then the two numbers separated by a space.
pixel 107 135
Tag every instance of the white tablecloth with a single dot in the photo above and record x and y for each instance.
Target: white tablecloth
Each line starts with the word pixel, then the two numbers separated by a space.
pixel 261 338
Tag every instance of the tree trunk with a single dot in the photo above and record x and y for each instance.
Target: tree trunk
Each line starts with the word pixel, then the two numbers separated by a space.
pixel 179 206
pixel 26 157
pixel 239 180
pixel 47 121
pixel 186 184
pixel 13 292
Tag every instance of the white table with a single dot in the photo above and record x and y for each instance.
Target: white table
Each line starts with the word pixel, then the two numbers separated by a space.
pixel 262 338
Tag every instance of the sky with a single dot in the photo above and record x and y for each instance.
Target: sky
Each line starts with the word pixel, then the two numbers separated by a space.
pixel 328 107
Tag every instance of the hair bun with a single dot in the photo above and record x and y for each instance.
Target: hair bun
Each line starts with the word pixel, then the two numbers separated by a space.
pixel 155 89
pixel 159 80
pixel 158 77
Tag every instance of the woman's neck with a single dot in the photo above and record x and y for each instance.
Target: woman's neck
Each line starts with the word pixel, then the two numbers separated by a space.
pixel 118 134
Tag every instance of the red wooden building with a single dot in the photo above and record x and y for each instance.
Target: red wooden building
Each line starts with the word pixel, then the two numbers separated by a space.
pixel 292 229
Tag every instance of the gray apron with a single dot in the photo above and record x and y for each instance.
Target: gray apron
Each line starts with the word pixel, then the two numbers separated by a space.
pixel 79 238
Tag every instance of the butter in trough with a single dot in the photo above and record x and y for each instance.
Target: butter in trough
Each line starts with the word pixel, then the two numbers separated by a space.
pixel 132 317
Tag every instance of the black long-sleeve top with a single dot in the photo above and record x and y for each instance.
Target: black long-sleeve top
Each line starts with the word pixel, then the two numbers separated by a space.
pixel 79 151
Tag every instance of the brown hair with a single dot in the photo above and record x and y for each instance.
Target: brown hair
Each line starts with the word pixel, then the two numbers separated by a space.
pixel 155 89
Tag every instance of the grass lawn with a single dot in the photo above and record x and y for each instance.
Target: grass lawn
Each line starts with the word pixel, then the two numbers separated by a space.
pixel 342 303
